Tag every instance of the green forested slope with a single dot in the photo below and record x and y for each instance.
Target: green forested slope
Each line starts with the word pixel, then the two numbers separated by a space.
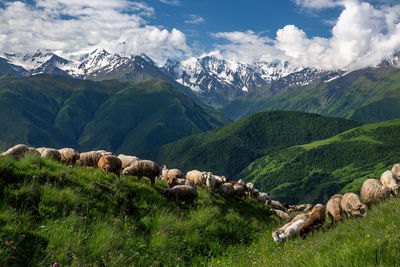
pixel 55 111
pixel 368 95
pixel 315 171
pixel 229 149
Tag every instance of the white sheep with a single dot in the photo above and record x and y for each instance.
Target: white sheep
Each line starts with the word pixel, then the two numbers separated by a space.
pixel 388 178
pixel 291 230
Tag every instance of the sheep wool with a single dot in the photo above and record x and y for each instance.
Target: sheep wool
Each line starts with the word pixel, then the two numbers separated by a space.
pixel 352 205
pixel 316 220
pixel 334 209
pixel 373 191
pixel 143 168
pixel 110 163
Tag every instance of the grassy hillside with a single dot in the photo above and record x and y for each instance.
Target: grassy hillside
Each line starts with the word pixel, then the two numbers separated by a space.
pixel 315 171
pixel 81 217
pixel 55 111
pixel 229 149
pixel 369 95
pixel 369 241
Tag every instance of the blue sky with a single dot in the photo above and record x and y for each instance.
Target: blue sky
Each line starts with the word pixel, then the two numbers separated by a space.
pixel 328 34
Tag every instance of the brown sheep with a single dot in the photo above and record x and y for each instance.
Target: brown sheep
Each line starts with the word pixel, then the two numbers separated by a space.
pixel 126 160
pixel 197 177
pixel 388 178
pixel 316 220
pixel 16 152
pixel 69 156
pixel 181 193
pixel 172 182
pixel 239 191
pixel 352 206
pixel 51 153
pixel 110 163
pixel 396 171
pixel 373 191
pixel 89 159
pixel 227 189
pixel 171 173
pixel 143 168
pixel 334 209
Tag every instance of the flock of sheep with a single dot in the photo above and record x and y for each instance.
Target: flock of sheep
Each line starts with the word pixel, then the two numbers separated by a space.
pixel 184 187
pixel 372 191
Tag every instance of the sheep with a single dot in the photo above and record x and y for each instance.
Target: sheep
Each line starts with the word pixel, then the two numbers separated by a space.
pixel 103 152
pixel 181 193
pixel 17 151
pixel 239 191
pixel 143 168
pixel 89 159
pixel 172 182
pixel 316 220
pixel 281 214
pixel 210 182
pixel 240 181
pixel 262 197
pixel 219 181
pixel 372 191
pixel 126 160
pixel 69 156
pixel 227 189
pixel 334 209
pixel 290 230
pixel 50 153
pixel 276 235
pixel 196 177
pixel 171 173
pixel 110 163
pixel 388 178
pixel 396 171
pixel 351 205
pixel 273 204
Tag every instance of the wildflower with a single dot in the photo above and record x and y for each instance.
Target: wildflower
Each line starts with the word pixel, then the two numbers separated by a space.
pixel 55 264
pixel 178 259
pixel 368 236
pixel 7 242
pixel 13 247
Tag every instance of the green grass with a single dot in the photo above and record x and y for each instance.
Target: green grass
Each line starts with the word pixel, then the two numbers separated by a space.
pixel 373 240
pixel 81 217
pixel 315 171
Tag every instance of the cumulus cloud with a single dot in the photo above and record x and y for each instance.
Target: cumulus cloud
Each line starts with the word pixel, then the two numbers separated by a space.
pixel 363 36
pixel 82 25
pixel 317 4
pixel 194 19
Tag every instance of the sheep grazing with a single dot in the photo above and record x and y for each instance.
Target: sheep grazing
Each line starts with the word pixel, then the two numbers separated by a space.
pixel 181 193
pixel 291 228
pixel 171 173
pixel 210 182
pixel 373 191
pixel 276 205
pixel 219 181
pixel 352 206
pixel 89 159
pixel 262 197
pixel 388 178
pixel 334 209
pixel 69 156
pixel 227 189
pixel 281 214
pixel 197 177
pixel 239 191
pixel 110 163
pixel 172 182
pixel 316 220
pixel 103 152
pixel 396 171
pixel 50 153
pixel 126 160
pixel 17 151
pixel 143 168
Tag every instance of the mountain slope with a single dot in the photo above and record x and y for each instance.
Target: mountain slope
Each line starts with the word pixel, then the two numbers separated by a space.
pixel 229 149
pixel 132 117
pixel 366 91
pixel 315 171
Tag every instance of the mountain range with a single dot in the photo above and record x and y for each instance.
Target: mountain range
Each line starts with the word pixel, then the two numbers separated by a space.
pixel 209 80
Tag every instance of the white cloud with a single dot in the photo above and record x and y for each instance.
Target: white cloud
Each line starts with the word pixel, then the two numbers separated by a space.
pixel 194 19
pixel 363 36
pixel 317 4
pixel 82 25
pixel 171 2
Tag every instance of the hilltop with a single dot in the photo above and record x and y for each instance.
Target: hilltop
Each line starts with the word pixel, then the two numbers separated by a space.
pixel 229 149
pixel 315 171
